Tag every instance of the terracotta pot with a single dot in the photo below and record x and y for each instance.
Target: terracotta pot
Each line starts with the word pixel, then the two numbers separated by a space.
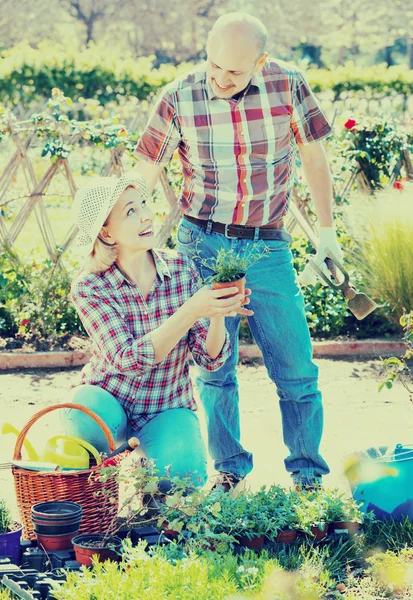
pixel 287 536
pixel 254 543
pixel 342 527
pixel 84 552
pixel 55 542
pixel 317 533
pixel 240 284
pixel 169 532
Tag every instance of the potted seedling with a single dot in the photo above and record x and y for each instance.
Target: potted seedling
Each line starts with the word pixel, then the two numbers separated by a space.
pixel 283 516
pixel 139 482
pixel 229 268
pixel 343 514
pixel 10 534
pixel 311 511
pixel 244 518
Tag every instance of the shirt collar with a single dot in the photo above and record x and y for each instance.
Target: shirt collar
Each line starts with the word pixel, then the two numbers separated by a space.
pixel 116 278
pixel 253 83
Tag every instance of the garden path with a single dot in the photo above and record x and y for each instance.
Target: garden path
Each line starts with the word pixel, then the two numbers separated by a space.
pixel 356 415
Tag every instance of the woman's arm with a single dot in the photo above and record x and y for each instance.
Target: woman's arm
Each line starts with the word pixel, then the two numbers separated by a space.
pixel 215 339
pixel 108 329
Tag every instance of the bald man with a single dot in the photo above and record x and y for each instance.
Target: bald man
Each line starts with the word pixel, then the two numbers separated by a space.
pixel 237 123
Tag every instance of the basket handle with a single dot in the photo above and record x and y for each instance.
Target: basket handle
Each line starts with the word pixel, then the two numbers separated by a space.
pixel 20 439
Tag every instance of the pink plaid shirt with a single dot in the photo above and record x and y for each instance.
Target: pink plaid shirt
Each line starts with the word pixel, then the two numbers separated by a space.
pixel 237 155
pixel 119 322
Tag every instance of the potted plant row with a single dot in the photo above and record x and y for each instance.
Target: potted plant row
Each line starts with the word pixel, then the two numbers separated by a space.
pixel 272 514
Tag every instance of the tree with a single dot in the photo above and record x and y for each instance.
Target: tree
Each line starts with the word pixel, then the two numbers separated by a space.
pixel 92 12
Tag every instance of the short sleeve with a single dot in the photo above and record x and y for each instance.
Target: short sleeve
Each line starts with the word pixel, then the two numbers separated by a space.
pixel 309 123
pixel 161 136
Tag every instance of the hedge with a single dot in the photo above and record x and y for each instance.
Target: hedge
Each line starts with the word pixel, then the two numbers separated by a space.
pixel 28 75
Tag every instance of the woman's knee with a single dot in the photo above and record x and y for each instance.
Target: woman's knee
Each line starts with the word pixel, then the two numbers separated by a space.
pixel 174 443
pixel 106 406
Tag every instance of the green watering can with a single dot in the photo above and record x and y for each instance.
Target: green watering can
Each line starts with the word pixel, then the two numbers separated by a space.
pixel 66 451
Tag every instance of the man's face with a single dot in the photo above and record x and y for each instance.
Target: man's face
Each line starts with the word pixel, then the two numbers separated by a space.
pixel 229 66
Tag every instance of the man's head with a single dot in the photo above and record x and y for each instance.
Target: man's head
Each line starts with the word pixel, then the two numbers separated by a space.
pixel 236 50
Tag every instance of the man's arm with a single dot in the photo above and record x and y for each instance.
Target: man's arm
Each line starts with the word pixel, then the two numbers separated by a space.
pixel 319 179
pixel 318 175
pixel 150 172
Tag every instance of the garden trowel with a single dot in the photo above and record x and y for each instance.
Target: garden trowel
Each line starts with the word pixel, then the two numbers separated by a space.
pixel 359 304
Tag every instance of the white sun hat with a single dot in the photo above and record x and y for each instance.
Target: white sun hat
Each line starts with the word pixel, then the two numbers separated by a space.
pixel 93 204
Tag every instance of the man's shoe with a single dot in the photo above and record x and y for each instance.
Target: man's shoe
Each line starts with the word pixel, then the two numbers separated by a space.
pixel 227 483
pixel 307 486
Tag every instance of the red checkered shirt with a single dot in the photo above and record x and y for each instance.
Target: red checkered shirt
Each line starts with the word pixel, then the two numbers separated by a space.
pixel 237 155
pixel 119 322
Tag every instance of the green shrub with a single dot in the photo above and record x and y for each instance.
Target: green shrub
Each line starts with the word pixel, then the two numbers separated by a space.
pixel 35 301
pixel 377 80
pixel 29 74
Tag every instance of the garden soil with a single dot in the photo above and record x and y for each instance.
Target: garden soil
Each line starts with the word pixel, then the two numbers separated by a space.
pixel 357 416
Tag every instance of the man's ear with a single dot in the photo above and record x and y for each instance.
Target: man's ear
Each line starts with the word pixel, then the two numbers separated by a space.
pixel 261 62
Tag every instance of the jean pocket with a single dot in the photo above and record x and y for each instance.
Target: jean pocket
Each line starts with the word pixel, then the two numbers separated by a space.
pixel 188 236
pixel 277 245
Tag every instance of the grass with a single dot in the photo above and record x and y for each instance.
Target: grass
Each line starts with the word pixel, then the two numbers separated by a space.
pixel 381 227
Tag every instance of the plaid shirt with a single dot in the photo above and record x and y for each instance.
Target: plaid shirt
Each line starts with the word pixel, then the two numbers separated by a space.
pixel 119 322
pixel 237 155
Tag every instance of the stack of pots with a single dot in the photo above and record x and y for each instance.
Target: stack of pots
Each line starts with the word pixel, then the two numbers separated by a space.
pixel 56 523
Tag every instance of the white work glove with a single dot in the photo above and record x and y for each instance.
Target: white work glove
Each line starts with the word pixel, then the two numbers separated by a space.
pixel 327 240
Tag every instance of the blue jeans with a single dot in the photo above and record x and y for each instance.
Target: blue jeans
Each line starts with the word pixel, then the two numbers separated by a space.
pixel 280 329
pixel 172 439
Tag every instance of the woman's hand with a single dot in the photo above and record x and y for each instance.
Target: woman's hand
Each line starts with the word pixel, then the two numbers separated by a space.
pixel 210 303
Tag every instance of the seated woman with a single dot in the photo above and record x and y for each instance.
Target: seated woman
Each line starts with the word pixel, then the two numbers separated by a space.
pixel 145 310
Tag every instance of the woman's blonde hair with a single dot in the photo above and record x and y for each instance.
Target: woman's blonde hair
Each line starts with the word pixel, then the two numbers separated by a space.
pixel 103 255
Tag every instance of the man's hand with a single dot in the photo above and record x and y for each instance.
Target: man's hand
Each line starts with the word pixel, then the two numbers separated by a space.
pixel 327 242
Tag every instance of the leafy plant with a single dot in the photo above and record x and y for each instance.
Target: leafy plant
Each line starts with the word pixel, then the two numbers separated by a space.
pixel 35 301
pixel 397 368
pixel 339 508
pixel 376 146
pixel 141 484
pixel 312 510
pixel 6 519
pixel 229 265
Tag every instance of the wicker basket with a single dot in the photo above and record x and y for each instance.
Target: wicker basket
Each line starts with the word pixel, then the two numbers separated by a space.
pixel 75 486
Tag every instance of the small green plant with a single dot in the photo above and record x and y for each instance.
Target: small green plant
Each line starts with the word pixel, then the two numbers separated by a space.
pixel 397 368
pixel 142 482
pixel 6 520
pixel 229 265
pixel 340 509
pixel 312 510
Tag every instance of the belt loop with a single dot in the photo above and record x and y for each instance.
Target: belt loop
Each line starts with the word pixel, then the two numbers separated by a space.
pixel 256 233
pixel 209 227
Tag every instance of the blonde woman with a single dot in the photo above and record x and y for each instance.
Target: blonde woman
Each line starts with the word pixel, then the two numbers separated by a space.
pixel 145 311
